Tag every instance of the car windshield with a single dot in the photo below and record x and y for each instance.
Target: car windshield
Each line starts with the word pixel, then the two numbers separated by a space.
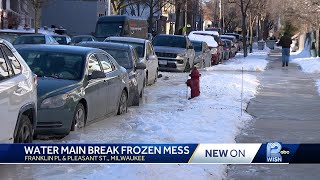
pixel 121 56
pixel 78 39
pixel 170 41
pixel 138 46
pixel 54 64
pixel 60 39
pixel 108 29
pixel 197 46
pixel 30 40
pixel 227 43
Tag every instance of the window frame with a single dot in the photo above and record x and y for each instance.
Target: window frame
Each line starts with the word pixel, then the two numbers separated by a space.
pixel 87 63
pixel 10 71
pixel 9 61
pixel 108 61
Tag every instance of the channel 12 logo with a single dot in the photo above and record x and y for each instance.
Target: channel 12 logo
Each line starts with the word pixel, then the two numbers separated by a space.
pixel 275 152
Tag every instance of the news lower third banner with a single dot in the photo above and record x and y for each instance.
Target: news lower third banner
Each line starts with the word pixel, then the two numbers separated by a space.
pixel 159 153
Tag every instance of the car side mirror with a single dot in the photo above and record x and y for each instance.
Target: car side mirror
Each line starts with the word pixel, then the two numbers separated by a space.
pixel 97 75
pixel 140 65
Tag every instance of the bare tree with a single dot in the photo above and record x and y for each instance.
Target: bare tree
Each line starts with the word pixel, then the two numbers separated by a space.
pixel 257 8
pixel 36 6
pixel 244 7
pixel 154 6
pixel 307 12
pixel 119 5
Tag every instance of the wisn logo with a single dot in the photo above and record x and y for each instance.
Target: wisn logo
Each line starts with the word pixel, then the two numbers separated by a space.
pixel 274 152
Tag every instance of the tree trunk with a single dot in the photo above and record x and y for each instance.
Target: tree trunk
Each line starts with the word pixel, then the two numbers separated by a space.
pixel 317 41
pixel 150 19
pixel 244 34
pixel 36 19
pixel 178 14
pixel 251 31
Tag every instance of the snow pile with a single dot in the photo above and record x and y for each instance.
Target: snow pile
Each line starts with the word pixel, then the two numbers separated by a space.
pixel 302 58
pixel 253 62
pixel 304 53
pixel 308 65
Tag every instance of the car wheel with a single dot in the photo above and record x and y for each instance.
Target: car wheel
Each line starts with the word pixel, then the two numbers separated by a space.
pixel 79 118
pixel 123 103
pixel 24 132
pixel 187 68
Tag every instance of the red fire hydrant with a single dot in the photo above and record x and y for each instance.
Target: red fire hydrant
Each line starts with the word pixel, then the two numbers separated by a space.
pixel 194 83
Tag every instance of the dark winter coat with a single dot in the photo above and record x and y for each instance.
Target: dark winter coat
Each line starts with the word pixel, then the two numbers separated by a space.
pixel 285 41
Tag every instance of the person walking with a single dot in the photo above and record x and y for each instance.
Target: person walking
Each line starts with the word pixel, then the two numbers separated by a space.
pixel 285 42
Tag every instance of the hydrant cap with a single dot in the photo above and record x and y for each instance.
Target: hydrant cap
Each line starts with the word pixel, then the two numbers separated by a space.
pixel 195 73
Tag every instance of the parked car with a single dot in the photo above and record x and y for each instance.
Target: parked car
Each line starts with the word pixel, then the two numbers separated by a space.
pixel 238 38
pixel 233 49
pixel 146 55
pixel 35 39
pixel 233 39
pixel 76 86
pixel 127 57
pixel 175 53
pixel 226 50
pixel 62 39
pixel 212 44
pixel 81 38
pixel 203 55
pixel 216 36
pixel 18 97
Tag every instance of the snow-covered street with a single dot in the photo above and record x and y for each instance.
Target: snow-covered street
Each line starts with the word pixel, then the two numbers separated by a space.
pixel 166 116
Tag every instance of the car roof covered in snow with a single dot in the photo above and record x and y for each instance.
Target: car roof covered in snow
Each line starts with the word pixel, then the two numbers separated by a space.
pixel 126 39
pixel 228 36
pixel 208 39
pixel 215 33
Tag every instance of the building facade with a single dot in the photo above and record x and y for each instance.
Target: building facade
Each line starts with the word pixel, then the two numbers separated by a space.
pixel 16 13
pixel 77 16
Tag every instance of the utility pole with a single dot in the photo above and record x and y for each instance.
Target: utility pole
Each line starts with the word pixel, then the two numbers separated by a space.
pixel 220 13
pixel 185 18
pixel 109 7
